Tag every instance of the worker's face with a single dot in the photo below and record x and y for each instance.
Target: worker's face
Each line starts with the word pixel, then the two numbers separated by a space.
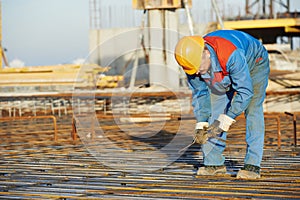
pixel 205 63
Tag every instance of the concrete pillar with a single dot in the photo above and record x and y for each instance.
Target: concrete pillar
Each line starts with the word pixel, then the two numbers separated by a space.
pixel 162 67
pixel 156 41
pixel 171 39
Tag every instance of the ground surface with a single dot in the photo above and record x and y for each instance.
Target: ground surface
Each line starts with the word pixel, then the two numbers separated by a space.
pixel 32 165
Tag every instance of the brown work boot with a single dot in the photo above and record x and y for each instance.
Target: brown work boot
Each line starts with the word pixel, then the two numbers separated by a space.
pixel 249 172
pixel 211 170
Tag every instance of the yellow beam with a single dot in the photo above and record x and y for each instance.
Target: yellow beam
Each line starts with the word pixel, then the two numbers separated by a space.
pixel 262 23
pixel 162 4
pixel 290 29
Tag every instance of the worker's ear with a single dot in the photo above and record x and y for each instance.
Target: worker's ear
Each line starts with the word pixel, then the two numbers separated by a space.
pixel 206 53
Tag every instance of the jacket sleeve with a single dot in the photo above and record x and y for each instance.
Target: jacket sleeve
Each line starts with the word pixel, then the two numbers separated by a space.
pixel 200 98
pixel 241 82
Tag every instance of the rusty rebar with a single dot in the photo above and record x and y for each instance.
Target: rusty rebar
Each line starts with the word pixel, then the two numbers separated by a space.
pixel 67 170
pixel 34 117
pixel 74 129
pixel 278 129
pixel 295 126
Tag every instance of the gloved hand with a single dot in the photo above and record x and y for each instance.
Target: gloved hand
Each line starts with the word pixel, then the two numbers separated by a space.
pixel 200 136
pixel 220 125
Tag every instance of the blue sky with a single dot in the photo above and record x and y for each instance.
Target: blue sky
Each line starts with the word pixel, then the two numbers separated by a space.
pixel 45 32
pixel 50 32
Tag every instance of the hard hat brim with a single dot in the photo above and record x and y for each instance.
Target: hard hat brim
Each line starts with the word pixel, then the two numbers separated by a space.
pixel 188 53
pixel 190 71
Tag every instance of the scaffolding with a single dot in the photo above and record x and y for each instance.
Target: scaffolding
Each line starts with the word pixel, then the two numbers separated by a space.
pixel 265 8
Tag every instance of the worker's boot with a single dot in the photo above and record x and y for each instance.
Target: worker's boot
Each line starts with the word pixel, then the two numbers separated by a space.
pixel 211 170
pixel 249 172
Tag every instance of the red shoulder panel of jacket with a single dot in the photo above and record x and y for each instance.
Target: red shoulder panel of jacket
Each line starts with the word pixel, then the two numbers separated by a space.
pixel 223 49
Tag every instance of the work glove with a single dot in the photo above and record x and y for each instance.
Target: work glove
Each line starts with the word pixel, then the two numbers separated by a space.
pixel 200 136
pixel 220 125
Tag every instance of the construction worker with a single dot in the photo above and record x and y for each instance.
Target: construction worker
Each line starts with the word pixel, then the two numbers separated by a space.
pixel 227 71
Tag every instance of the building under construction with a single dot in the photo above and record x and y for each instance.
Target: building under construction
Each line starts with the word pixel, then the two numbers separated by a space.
pixel 117 126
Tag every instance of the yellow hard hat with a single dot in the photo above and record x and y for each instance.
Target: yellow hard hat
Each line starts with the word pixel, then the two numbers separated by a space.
pixel 188 53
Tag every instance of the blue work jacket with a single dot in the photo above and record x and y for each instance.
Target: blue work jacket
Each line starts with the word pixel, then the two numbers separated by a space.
pixel 234 55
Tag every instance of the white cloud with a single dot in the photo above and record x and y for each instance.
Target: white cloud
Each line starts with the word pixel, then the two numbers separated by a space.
pixel 16 63
pixel 79 61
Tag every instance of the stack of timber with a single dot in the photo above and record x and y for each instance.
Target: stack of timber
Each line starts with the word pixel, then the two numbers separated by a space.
pixel 56 78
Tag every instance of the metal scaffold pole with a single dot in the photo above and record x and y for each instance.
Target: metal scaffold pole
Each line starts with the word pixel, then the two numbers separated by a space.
pixel 189 17
pixel 215 6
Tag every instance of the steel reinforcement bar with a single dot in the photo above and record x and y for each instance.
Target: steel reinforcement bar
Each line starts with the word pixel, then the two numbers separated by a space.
pixel 269 116
pixel 34 117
